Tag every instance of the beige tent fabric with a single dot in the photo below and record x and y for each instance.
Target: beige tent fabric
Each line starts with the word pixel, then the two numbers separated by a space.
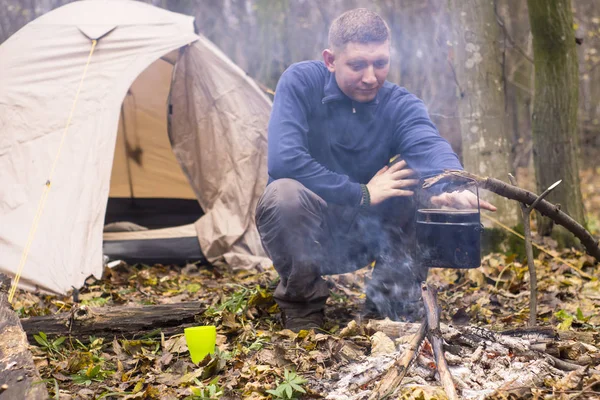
pixel 219 135
pixel 40 70
pixel 144 161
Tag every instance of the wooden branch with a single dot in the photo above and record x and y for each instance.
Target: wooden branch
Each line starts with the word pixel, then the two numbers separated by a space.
pixel 434 334
pixel 19 379
pixel 109 322
pixel 526 213
pixel 463 179
pixel 392 380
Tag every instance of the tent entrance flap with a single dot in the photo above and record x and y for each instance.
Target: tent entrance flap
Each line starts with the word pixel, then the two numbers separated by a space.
pixel 151 207
pixel 144 164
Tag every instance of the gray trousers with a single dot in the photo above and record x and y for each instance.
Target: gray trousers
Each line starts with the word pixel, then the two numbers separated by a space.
pixel 307 238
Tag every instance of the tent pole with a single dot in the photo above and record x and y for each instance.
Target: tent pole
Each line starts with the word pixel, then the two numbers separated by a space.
pixel 124 128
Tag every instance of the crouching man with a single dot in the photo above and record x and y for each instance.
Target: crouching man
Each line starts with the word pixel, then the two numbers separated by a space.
pixel 333 203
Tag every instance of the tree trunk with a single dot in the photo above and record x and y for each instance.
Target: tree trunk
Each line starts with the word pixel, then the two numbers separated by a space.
pixel 483 119
pixel 518 73
pixel 555 140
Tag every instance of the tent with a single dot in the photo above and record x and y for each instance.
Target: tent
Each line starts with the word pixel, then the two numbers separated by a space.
pixel 120 100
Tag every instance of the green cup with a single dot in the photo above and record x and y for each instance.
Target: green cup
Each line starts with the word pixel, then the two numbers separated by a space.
pixel 200 341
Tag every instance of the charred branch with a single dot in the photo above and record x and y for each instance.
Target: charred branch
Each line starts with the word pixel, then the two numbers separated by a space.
pixel 434 334
pixel 393 378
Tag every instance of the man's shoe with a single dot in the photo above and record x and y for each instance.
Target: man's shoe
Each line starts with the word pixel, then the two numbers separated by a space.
pixel 296 324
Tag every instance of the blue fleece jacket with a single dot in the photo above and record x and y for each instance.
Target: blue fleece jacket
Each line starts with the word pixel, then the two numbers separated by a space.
pixel 331 144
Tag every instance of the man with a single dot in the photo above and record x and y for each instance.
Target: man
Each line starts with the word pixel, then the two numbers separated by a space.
pixel 333 204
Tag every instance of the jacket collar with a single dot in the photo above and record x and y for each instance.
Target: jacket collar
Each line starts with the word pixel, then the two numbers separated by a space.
pixel 332 92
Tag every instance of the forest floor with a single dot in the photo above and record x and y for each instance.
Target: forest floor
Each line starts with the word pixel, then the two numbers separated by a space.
pixel 256 359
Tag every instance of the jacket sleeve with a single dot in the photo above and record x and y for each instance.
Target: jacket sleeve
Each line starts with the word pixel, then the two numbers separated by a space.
pixel 288 155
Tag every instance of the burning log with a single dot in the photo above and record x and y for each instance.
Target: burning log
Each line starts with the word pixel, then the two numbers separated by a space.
pixel 394 376
pixel 19 379
pixel 464 179
pixel 432 311
pixel 476 360
pixel 481 361
pixel 430 328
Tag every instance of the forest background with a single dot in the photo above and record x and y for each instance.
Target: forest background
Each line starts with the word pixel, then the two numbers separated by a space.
pixel 472 63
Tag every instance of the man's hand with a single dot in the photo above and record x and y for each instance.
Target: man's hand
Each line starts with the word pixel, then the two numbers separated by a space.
pixel 394 181
pixel 460 200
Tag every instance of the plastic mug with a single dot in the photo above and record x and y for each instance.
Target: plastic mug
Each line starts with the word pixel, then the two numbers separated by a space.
pixel 200 341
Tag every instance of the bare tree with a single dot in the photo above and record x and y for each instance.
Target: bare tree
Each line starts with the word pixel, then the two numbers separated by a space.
pixel 483 118
pixel 555 138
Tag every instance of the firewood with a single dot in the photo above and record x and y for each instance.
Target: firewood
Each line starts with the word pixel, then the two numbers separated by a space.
pixel 434 334
pixel 394 376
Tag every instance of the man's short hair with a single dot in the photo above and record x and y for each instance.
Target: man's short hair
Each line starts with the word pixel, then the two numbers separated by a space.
pixel 359 26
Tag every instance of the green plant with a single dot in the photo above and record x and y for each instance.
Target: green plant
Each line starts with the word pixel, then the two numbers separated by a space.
pixel 290 388
pixel 206 392
pixel 94 373
pixel 95 345
pixel 258 344
pixel 567 319
pixel 235 303
pixel 51 347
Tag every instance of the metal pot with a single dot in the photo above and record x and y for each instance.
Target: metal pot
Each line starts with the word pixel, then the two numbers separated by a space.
pixel 449 238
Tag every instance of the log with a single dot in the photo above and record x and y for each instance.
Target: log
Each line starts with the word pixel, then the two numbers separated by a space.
pixel 463 179
pixel 108 322
pixel 19 379
pixel 434 334
pixel 393 378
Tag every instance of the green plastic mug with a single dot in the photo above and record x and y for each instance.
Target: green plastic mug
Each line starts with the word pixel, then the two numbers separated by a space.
pixel 200 341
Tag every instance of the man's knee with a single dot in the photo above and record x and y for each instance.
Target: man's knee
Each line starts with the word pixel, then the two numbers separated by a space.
pixel 285 199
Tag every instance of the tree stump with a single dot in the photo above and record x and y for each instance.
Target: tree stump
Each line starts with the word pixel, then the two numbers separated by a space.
pixel 19 379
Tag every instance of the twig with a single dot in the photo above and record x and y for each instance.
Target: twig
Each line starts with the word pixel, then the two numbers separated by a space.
pixel 526 212
pixel 562 364
pixel 432 312
pixel 508 36
pixel 392 380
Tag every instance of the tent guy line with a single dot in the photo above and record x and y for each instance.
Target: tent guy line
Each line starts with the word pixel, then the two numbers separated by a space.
pixel 48 184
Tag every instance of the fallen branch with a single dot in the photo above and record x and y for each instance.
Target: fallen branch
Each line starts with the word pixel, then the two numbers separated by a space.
pixel 19 379
pixel 434 334
pixel 462 179
pixel 526 213
pixel 393 378
pixel 109 322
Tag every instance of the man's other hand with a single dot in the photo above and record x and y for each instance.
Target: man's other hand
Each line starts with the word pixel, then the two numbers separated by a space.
pixel 460 200
pixel 395 181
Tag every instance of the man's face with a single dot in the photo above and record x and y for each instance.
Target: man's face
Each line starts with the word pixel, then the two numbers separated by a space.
pixel 360 69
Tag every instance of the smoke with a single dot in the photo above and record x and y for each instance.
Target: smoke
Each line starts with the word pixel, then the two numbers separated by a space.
pixel 384 235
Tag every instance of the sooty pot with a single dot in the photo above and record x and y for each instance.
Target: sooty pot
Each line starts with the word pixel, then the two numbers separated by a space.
pixel 449 238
